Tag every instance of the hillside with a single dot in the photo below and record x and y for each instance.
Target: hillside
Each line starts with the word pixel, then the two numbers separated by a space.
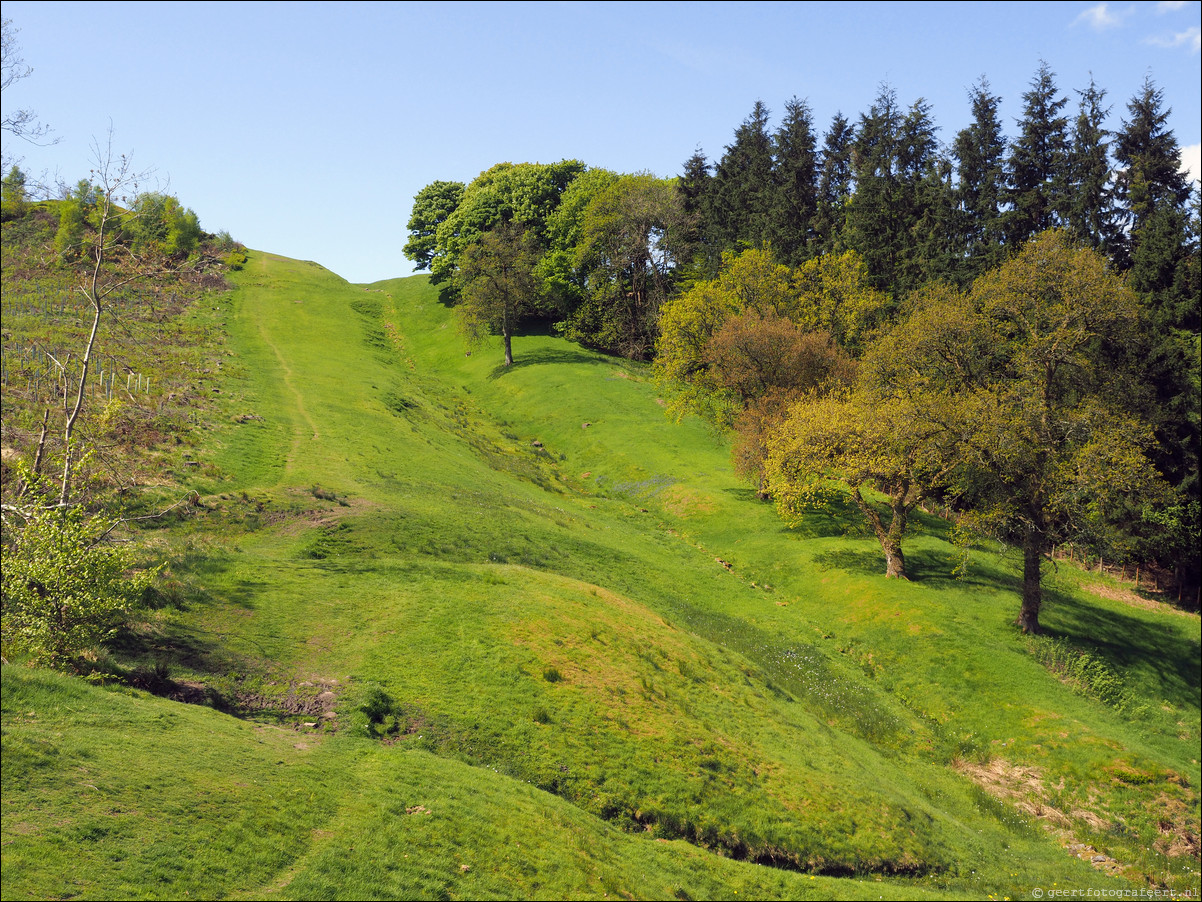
pixel 462 631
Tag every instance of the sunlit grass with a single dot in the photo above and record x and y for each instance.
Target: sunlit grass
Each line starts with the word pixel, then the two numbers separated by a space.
pixel 606 664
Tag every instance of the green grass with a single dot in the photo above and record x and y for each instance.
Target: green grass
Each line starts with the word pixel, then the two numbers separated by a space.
pixel 598 662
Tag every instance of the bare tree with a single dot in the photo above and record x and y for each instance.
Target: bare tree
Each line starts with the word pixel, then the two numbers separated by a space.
pixel 113 177
pixel 21 123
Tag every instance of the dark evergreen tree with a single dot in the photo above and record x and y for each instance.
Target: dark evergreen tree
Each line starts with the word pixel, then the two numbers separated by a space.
pixel 796 173
pixel 926 201
pixel 744 196
pixel 694 187
pixel 898 218
pixel 1149 161
pixel 699 243
pixel 1161 248
pixel 980 153
pixel 834 184
pixel 873 224
pixel 1091 213
pixel 1037 173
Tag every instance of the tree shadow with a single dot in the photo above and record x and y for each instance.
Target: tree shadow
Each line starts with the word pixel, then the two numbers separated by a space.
pixel 932 568
pixel 745 495
pixel 545 357
pixel 1127 642
pixel 446 294
pixel 866 563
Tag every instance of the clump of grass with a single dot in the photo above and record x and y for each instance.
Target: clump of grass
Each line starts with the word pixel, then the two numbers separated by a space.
pixel 552 674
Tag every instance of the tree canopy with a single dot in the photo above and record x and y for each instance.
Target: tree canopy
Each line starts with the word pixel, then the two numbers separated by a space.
pixel 1027 380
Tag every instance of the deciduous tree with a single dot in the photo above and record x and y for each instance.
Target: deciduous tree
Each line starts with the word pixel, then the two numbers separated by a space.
pixel 1025 380
pixel 431 207
pixel 496 284
pixel 850 439
pixel 630 246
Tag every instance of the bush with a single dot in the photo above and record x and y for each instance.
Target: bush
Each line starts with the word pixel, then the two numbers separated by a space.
pixel 64 589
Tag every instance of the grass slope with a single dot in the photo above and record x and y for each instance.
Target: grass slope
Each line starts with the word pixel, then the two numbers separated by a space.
pixel 512 633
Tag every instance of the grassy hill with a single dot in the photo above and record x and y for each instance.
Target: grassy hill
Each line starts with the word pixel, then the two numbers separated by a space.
pixel 462 631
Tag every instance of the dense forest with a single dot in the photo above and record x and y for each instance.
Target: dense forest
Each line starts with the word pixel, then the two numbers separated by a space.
pixel 1002 328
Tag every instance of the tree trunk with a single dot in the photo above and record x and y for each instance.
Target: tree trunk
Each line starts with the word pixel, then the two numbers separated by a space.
pixel 895 561
pixel 889 536
pixel 1028 618
pixel 505 334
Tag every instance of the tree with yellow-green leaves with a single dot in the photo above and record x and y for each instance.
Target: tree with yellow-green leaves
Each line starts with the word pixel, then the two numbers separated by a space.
pixel 1024 387
pixel 848 439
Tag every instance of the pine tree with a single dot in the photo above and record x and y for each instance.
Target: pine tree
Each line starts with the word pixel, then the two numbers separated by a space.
pixel 1149 161
pixel 873 225
pixel 980 153
pixel 744 193
pixel 700 247
pixel 898 217
pixel 796 171
pixel 1091 214
pixel 1161 252
pixel 926 199
pixel 834 184
pixel 1037 174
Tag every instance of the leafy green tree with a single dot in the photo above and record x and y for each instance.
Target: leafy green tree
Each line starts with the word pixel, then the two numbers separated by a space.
pixel 525 193
pixel 64 588
pixel 834 295
pixel 159 224
pixel 761 364
pixel 496 284
pixel 74 211
pixel 848 437
pixel 630 246
pixel 13 193
pixel 431 207
pixel 1037 169
pixel 562 272
pixel 741 348
pixel 828 295
pixel 1025 384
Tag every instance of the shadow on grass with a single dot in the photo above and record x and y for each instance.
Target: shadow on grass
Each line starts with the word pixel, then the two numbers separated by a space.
pixel 545 357
pixel 932 568
pixel 745 495
pixel 1128 643
pixel 148 660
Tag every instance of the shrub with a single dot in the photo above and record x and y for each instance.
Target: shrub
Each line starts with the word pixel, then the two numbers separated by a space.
pixel 64 588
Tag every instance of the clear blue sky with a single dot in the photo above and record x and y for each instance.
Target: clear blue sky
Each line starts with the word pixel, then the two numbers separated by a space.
pixel 305 129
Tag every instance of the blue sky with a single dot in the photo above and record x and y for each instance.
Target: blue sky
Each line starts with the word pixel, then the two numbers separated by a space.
pixel 305 129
